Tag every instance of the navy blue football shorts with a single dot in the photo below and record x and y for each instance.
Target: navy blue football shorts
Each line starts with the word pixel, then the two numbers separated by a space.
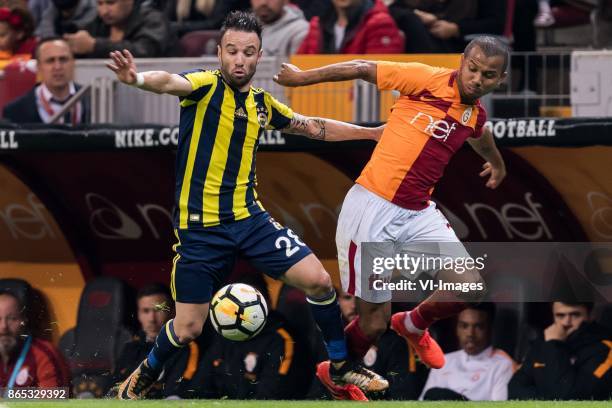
pixel 205 256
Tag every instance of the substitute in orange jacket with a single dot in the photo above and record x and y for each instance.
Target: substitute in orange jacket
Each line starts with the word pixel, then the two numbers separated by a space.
pixel 353 27
pixel 24 360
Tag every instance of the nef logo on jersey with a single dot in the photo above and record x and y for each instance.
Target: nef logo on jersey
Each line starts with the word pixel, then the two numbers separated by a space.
pixel 440 129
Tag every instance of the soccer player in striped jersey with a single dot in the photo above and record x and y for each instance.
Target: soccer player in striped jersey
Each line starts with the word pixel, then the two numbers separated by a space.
pixel 218 213
pixel 437 111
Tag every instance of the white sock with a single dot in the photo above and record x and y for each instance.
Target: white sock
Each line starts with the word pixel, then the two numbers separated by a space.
pixel 410 326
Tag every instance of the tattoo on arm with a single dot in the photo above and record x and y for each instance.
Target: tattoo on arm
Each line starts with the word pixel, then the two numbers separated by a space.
pixel 320 126
pixel 313 128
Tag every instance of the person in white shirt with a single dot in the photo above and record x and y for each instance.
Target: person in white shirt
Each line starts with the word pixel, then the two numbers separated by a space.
pixel 477 371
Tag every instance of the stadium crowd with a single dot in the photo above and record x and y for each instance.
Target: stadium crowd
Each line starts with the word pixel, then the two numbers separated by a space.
pixel 176 28
pixel 568 358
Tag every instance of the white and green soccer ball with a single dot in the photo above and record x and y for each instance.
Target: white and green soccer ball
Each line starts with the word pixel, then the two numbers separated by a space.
pixel 238 311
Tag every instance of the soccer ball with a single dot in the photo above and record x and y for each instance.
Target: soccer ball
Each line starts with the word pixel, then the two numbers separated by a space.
pixel 238 311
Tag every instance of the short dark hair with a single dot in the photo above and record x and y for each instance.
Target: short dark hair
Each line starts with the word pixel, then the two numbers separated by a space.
pixel 487 307
pixel 588 305
pixel 20 303
pixel 241 21
pixel 154 289
pixel 46 40
pixel 491 47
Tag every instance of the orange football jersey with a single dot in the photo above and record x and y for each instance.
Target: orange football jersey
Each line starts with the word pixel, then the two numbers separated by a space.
pixel 427 125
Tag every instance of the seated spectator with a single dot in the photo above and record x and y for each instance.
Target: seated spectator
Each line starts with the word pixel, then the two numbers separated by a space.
pixel 66 17
pixel 37 9
pixel 571 362
pixel 441 26
pixel 275 364
pixel 284 26
pixel 312 8
pixel 124 24
pixel 155 308
pixel 193 15
pixel 353 27
pixel 272 365
pixel 56 70
pixel 16 28
pixel 26 361
pixel 478 371
pixel 392 358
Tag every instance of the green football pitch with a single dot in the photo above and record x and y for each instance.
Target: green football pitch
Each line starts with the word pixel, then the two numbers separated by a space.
pixel 298 404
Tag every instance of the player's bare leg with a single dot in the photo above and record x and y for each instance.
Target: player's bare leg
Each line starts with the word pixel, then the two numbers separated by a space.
pixel 186 326
pixel 310 276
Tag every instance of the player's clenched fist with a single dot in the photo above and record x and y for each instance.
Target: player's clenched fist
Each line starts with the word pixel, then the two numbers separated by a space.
pixel 123 66
pixel 289 75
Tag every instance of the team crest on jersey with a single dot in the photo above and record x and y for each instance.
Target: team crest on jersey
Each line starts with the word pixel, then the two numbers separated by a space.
pixel 467 114
pixel 262 116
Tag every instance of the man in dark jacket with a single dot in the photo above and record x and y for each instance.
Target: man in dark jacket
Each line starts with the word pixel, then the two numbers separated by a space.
pixel 56 70
pixel 572 362
pixel 155 308
pixel 441 26
pixel 272 365
pixel 124 24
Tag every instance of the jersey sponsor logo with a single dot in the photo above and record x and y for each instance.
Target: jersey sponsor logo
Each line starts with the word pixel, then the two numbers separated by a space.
pixel 440 129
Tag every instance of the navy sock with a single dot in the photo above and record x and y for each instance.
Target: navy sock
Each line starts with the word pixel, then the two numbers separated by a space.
pixel 326 312
pixel 166 344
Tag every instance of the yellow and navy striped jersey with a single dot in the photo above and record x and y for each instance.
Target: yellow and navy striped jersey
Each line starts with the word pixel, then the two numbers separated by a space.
pixel 218 137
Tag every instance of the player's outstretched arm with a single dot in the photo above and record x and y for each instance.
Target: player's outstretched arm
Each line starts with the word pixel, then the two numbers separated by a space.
pixel 330 130
pixel 494 167
pixel 290 75
pixel 160 82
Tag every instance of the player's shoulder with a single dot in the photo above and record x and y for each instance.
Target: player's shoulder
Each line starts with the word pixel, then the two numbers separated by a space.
pixel 259 91
pixel 199 72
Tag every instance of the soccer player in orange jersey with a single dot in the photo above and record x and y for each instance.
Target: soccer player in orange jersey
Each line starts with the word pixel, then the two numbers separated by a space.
pixel 438 110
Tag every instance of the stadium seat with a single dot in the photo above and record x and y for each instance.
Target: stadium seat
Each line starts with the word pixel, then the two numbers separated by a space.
pixel 16 79
pixel 92 347
pixel 603 315
pixel 198 43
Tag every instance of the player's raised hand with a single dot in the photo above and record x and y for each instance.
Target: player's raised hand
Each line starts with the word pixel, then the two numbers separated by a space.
pixel 495 173
pixel 123 66
pixel 289 75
